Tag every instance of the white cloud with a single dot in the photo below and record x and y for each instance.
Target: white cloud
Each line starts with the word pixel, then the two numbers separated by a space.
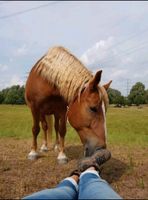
pixel 97 52
pixel 16 80
pixel 141 75
pixel 11 80
pixel 10 60
pixel 21 51
pixel 118 73
pixel 127 60
pixel 3 68
pixel 20 35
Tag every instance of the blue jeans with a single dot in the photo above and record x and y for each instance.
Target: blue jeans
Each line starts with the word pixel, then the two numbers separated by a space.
pixel 91 186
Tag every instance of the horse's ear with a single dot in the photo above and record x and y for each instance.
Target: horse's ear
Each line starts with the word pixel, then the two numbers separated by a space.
pixel 107 85
pixel 96 79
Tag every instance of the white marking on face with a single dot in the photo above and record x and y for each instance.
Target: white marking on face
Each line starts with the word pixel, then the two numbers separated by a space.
pixel 100 95
pixel 103 108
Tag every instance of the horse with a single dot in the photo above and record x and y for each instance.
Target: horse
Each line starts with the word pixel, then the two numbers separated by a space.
pixel 60 85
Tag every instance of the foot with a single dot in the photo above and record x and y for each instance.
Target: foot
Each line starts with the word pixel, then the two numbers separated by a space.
pixel 96 160
pixel 75 172
pixel 75 175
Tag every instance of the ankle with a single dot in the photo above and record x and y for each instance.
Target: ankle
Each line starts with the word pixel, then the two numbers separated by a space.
pixel 75 177
pixel 91 168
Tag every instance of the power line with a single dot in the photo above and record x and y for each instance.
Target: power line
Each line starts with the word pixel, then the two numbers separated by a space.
pixel 127 53
pixel 135 47
pixel 28 10
pixel 127 87
pixel 127 39
pixel 3 2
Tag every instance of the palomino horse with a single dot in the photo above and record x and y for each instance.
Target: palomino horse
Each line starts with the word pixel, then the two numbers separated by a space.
pixel 61 85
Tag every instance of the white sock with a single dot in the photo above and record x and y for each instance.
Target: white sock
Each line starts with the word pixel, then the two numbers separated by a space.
pixel 89 171
pixel 72 181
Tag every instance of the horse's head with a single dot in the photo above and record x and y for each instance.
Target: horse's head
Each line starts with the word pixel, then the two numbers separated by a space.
pixel 87 115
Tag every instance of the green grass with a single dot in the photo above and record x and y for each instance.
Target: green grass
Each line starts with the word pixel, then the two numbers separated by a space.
pixel 126 126
pixel 15 121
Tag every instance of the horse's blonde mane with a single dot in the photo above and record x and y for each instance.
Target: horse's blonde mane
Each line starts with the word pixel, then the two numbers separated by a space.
pixel 63 70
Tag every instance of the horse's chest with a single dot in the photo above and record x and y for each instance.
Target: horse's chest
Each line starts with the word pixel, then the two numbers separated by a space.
pixel 53 105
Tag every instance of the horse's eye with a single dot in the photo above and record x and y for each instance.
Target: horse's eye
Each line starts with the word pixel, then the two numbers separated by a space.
pixel 93 109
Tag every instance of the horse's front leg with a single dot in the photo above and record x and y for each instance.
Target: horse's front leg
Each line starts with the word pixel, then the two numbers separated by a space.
pixel 56 126
pixel 44 147
pixel 35 131
pixel 62 158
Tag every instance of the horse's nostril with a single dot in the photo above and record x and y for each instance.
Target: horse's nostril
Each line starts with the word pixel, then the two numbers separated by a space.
pixel 99 148
pixel 88 151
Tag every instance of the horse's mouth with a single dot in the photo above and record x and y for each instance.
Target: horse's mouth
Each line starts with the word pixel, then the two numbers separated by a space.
pixel 89 151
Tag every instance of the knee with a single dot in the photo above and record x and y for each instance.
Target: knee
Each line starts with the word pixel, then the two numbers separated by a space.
pixel 35 129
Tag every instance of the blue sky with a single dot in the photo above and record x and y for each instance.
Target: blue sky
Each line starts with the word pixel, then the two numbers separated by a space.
pixel 112 36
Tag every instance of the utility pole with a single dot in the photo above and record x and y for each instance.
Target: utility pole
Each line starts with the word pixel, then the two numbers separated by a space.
pixel 127 86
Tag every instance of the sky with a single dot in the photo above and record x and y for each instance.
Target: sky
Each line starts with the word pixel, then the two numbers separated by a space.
pixel 107 35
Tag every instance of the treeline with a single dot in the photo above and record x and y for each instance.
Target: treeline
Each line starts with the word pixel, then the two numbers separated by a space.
pixel 12 95
pixel 138 95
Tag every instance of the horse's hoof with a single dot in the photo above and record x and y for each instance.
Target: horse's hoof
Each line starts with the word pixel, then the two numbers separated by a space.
pixel 33 155
pixel 62 161
pixel 62 158
pixel 43 148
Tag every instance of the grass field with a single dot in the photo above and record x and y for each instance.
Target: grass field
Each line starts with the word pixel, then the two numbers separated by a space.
pixel 127 126
pixel 126 171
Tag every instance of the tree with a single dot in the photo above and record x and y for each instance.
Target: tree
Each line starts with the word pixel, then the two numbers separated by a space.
pixel 14 95
pixel 11 97
pixel 115 97
pixel 146 96
pixel 137 94
pixel 1 97
pixel 4 93
pixel 20 99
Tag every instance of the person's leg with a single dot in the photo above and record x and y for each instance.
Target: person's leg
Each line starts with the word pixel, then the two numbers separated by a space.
pixel 66 189
pixel 91 186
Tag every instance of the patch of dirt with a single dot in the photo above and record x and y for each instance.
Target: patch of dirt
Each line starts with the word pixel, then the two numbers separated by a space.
pixel 126 171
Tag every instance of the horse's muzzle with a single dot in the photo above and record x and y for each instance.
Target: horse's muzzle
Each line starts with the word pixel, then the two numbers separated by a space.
pixel 89 150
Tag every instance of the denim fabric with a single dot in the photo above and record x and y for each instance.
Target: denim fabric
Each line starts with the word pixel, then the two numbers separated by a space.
pixel 91 186
pixel 65 190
